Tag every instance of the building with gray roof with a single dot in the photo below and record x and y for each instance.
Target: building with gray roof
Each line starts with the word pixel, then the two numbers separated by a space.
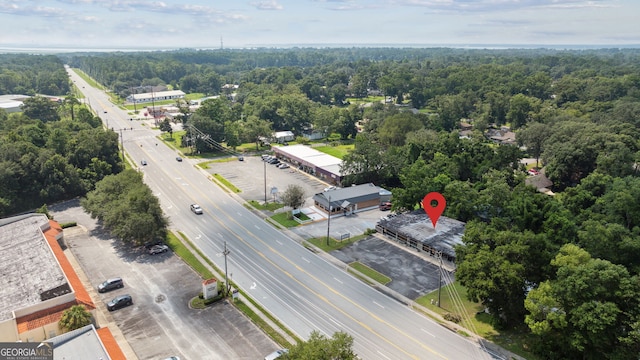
pixel 83 343
pixel 414 229
pixel 351 199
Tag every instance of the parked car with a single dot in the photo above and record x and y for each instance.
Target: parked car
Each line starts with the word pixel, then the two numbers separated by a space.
pixel 265 157
pixel 273 161
pixel 385 206
pixel 276 354
pixel 283 166
pixel 329 188
pixel 196 209
pixel 158 249
pixel 533 172
pixel 119 302
pixel 178 159
pixel 110 284
pixel 143 162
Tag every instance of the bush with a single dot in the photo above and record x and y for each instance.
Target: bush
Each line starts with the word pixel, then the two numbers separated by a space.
pixel 452 317
pixel 68 225
pixel 302 140
pixel 370 232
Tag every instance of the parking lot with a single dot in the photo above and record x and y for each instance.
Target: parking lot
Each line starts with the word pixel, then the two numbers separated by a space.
pixel 160 323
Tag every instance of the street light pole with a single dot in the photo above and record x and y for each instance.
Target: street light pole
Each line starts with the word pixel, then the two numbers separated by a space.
pixel 265 181
pixel 226 278
pixel 329 220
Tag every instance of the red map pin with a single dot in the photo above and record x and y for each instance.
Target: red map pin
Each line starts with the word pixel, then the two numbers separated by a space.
pixel 434 212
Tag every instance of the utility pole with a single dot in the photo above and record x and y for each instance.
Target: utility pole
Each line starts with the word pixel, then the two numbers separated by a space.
pixel 226 278
pixel 329 221
pixel 122 145
pixel 440 279
pixel 265 181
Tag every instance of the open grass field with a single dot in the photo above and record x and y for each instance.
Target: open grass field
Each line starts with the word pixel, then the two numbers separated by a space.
pixel 338 151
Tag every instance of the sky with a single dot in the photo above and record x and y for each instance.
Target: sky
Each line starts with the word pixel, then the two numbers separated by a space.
pixel 212 24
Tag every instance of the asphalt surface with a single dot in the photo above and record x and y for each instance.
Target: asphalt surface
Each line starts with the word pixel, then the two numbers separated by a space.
pixel 160 323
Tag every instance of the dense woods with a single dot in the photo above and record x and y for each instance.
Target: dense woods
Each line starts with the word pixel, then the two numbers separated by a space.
pixel 566 266
pixel 32 74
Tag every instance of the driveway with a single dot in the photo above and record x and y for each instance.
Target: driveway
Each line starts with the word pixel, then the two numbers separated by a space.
pixel 160 323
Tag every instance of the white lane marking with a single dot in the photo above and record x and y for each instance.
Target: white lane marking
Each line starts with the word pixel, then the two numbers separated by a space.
pixel 378 304
pixel 198 236
pixel 338 280
pixel 257 227
pixel 279 242
pixel 381 354
pixel 253 286
pixel 306 260
pixel 427 332
pixel 239 213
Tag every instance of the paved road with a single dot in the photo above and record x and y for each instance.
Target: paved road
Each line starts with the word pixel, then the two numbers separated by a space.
pixel 302 290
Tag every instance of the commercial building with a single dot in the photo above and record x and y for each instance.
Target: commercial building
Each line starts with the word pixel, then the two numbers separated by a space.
pixel 312 161
pixel 352 199
pixel 155 96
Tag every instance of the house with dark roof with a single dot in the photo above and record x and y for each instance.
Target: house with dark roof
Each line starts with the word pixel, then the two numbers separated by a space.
pixel 352 199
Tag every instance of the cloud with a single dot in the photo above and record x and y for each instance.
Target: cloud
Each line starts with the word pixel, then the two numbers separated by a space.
pixel 267 5
pixel 30 10
pixel 501 5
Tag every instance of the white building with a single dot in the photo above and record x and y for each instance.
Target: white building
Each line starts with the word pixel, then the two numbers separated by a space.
pixel 155 96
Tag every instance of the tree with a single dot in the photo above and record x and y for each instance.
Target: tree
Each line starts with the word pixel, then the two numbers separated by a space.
pixel 533 137
pixel 127 207
pixel 41 108
pixel 589 311
pixel 293 196
pixel 165 126
pixel 71 101
pixel 319 347
pixel 75 317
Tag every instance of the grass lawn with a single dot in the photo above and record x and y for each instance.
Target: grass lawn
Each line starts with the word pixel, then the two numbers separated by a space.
pixel 333 243
pixel 364 269
pixel 338 151
pixel 365 100
pixel 514 341
pixel 226 183
pixel 283 219
pixel 188 257
pixel 270 206
pixel 88 79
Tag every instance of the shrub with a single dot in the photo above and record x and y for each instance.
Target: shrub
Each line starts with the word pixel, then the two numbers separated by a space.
pixel 452 317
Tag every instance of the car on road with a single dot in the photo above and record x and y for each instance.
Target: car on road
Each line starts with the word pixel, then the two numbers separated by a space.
pixel 172 358
pixel 119 302
pixel 110 284
pixel 276 354
pixel 178 159
pixel 143 162
pixel 240 158
pixel 196 209
pixel 283 166
pixel 158 249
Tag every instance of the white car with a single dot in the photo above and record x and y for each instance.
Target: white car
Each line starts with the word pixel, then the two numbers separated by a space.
pixel 276 354
pixel 196 209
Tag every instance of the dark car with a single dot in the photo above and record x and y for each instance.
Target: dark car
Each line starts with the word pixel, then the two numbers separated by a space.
pixel 110 284
pixel 385 206
pixel 119 302
pixel 158 249
pixel 178 159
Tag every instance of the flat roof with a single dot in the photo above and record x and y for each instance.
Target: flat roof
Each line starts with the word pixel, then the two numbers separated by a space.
pixel 417 225
pixel 28 267
pixel 158 94
pixel 83 343
pixel 311 156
